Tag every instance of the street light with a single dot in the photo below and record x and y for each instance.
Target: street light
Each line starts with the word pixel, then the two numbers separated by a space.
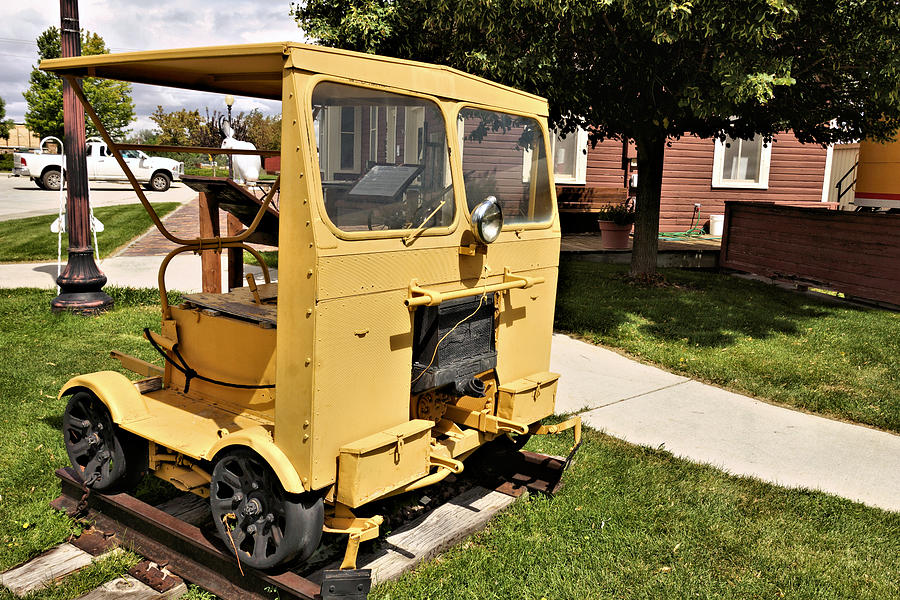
pixel 229 102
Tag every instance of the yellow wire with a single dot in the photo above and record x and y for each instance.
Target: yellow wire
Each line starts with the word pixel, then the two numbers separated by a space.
pixel 228 531
pixel 436 346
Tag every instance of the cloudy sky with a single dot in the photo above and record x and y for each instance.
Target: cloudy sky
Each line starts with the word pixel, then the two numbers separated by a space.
pixel 128 25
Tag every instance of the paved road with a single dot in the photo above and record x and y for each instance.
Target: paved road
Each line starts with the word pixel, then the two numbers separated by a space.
pixel 20 197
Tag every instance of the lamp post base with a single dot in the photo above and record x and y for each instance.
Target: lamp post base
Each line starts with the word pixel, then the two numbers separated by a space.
pixel 81 286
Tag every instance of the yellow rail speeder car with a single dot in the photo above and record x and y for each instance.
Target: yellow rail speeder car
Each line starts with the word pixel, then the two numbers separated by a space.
pixel 411 321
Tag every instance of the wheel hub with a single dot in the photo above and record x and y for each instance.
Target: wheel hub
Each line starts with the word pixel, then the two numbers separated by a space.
pixel 253 508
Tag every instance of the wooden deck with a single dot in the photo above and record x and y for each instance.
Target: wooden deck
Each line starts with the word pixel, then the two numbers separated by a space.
pixel 693 252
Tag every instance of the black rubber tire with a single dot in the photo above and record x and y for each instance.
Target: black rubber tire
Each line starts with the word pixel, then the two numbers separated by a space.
pixel 269 527
pixel 37 181
pixel 96 445
pixel 51 179
pixel 159 182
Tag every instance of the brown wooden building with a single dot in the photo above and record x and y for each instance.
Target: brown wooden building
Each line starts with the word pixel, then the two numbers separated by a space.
pixel 696 171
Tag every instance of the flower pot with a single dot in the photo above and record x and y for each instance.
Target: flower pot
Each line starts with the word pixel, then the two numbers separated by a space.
pixel 614 237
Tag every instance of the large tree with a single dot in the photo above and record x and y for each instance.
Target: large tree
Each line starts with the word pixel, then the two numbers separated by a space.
pixel 654 70
pixel 111 99
pixel 5 125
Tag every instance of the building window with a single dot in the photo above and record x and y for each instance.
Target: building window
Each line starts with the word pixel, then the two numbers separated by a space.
pixel 570 157
pixel 741 163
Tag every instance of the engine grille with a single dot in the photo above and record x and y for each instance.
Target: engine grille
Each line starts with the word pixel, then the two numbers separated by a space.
pixel 464 353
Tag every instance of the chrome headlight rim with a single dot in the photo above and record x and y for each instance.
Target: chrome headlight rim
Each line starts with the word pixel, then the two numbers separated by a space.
pixel 487 220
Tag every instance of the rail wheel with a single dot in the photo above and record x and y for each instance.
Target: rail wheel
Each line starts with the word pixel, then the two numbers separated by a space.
pixel 100 452
pixel 260 522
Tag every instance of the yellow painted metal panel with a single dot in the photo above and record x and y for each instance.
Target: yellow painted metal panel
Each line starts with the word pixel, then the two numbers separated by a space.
pixel 528 400
pixel 879 169
pixel 217 347
pixel 363 358
pixel 188 425
pixel 259 439
pixel 526 327
pixel 373 272
pixel 254 70
pixel 294 422
pixel 384 461
pixel 116 391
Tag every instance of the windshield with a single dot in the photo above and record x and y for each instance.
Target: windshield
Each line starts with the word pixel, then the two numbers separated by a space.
pixel 383 159
pixel 503 156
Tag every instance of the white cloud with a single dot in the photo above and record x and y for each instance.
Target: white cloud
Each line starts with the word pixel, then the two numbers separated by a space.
pixel 129 25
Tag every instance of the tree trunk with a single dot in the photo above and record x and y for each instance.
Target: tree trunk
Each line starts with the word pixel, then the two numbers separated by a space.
pixel 650 152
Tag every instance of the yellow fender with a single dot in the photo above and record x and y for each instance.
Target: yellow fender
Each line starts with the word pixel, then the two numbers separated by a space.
pixel 117 392
pixel 260 441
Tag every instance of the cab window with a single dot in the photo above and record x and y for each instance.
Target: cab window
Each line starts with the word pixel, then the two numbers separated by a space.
pixel 383 159
pixel 503 156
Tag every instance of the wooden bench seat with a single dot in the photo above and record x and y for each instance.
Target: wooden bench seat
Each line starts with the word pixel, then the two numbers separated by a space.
pixel 241 304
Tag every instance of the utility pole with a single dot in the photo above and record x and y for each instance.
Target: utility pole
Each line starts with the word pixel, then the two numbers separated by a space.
pixel 81 282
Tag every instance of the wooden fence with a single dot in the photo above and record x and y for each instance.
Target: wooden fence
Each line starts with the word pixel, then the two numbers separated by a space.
pixel 854 253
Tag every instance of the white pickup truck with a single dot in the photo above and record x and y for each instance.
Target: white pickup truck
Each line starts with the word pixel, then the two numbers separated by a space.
pixel 156 173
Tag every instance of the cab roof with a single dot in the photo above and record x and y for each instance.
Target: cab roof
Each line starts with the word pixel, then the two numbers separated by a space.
pixel 257 70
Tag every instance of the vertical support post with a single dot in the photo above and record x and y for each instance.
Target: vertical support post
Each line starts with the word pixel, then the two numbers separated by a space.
pixel 81 282
pixel 235 255
pixel 210 260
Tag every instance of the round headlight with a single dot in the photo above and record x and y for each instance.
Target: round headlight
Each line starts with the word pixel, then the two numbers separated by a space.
pixel 487 220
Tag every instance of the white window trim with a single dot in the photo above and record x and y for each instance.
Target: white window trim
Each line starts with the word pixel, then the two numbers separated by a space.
pixel 333 154
pixel 765 160
pixel 580 177
pixel 581 149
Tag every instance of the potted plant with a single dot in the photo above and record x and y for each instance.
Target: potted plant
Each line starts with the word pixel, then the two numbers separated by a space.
pixel 615 222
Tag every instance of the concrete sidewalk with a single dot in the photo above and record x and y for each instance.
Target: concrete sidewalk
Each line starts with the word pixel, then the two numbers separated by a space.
pixel 702 423
pixel 183 274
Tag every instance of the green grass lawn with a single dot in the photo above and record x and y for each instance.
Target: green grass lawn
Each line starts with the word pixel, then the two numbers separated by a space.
pixel 30 239
pixel 222 172
pixel 639 524
pixel 629 522
pixel 270 256
pixel 40 351
pixel 828 358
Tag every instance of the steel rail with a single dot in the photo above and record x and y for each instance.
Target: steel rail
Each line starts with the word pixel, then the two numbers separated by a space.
pixel 200 558
pixel 179 546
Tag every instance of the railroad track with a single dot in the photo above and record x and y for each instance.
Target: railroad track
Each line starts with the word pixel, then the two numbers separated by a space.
pixel 175 549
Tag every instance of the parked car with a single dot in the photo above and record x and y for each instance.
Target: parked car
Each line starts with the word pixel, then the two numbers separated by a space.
pixel 154 172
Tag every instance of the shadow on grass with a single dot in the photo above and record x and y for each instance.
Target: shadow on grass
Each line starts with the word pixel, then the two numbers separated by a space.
pixel 700 309
pixel 54 422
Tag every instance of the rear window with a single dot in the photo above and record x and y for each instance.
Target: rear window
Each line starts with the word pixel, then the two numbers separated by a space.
pixel 383 159
pixel 503 156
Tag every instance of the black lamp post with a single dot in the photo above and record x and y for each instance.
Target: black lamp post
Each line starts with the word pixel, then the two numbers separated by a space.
pixel 81 282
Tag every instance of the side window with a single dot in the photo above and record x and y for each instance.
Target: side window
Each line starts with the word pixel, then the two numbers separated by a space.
pixel 383 159
pixel 570 156
pixel 503 156
pixel 741 163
